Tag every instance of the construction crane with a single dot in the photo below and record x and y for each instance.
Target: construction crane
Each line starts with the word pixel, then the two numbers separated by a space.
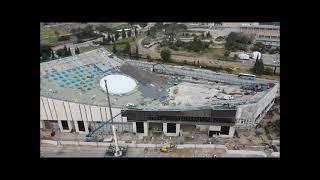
pixel 89 135
pixel 117 152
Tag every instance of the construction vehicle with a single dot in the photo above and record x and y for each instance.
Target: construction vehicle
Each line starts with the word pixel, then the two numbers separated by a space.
pixel 169 148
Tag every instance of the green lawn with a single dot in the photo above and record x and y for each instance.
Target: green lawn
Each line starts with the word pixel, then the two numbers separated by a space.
pixel 50 35
pixel 120 44
pixel 88 48
pixel 209 52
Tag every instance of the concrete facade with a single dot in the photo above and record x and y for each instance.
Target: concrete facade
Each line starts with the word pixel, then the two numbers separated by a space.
pixel 267 34
pixel 249 115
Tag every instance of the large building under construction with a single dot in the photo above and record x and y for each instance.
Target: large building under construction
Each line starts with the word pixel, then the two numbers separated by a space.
pixel 148 98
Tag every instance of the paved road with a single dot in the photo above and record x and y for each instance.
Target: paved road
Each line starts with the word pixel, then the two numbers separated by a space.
pixel 99 152
pixel 71 151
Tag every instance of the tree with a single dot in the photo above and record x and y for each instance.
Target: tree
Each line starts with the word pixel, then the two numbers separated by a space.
pixel 114 48
pixel 226 53
pixel 148 58
pixel 116 36
pixel 45 52
pixel 165 55
pixel 259 46
pixel 208 35
pixel 109 38
pixel 52 55
pixel 129 33
pixel 258 66
pixel 123 34
pixel 77 51
pixel 65 51
pixel 137 51
pixel 127 49
pixel 69 52
pixel 136 32
pixel 237 41
pixel 112 39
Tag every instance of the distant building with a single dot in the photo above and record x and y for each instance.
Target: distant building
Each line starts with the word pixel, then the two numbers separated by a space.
pixel 267 34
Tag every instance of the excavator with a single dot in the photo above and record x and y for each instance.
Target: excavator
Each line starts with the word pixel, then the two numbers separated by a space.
pixel 169 148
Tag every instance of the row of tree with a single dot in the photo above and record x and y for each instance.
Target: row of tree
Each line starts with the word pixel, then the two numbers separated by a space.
pixel 126 50
pixel 46 52
pixel 195 45
pixel 259 46
pixel 85 33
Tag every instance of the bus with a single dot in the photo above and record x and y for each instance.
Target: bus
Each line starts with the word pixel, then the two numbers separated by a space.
pixel 247 76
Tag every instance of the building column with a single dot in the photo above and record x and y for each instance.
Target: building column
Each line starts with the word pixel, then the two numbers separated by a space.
pixel 41 124
pixel 134 127
pixel 145 128
pixel 231 131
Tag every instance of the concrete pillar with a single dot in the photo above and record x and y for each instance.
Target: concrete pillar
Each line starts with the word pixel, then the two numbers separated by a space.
pixel 231 131
pixel 164 128
pixel 134 127
pixel 145 128
pixel 41 124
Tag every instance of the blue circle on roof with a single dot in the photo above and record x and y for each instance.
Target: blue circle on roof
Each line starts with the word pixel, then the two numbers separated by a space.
pixel 55 78
pixel 67 83
pixel 89 72
pixel 63 72
pixel 46 77
pixel 61 85
pixel 89 89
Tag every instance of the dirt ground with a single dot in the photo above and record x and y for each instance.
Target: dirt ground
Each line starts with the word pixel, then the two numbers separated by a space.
pixel 188 152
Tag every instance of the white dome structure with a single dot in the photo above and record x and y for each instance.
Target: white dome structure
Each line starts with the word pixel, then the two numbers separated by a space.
pixel 256 54
pixel 118 84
